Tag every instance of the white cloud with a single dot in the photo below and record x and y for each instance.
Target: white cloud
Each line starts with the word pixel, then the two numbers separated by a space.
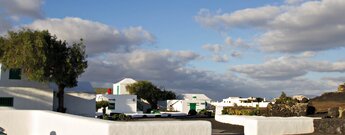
pixel 98 37
pixel 256 17
pixel 215 48
pixel 297 26
pixel 220 58
pixel 22 8
pixel 14 10
pixel 235 54
pixel 288 67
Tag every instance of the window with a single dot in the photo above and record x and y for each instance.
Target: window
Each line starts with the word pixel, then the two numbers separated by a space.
pixel 15 73
pixel 6 101
pixel 111 106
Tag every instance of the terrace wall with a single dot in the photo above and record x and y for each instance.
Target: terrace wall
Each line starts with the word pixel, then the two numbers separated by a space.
pixel 25 122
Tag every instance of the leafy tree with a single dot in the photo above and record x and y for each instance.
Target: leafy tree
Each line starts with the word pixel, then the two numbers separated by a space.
pixel 283 95
pixel 283 99
pixel 103 105
pixel 42 57
pixel 149 92
pixel 341 88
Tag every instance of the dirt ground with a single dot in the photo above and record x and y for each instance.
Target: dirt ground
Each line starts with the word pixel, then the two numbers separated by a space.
pixel 217 127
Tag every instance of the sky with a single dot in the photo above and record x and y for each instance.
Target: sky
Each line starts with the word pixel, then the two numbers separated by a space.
pixel 220 48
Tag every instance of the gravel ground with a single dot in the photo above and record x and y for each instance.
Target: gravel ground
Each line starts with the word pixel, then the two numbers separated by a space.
pixel 217 127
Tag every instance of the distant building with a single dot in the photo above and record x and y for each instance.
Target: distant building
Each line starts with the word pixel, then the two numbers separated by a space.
pixel 186 102
pixel 239 101
pixel 299 97
pixel 17 92
pixel 119 88
pixel 118 103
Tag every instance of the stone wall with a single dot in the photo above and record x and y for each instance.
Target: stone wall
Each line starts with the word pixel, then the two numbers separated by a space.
pixel 329 126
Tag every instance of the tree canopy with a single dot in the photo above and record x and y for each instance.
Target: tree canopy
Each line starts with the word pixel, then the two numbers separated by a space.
pixel 149 92
pixel 44 58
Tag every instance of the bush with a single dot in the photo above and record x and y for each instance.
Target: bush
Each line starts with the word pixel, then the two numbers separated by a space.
pixel 155 111
pixel 205 112
pixel 121 116
pixel 241 111
pixel 192 112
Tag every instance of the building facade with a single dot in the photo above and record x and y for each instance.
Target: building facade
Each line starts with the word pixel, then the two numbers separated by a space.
pixel 118 103
pixel 119 88
pixel 186 102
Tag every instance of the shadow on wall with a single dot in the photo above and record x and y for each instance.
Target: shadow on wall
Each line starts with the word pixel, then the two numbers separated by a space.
pixel 78 104
pixel 52 133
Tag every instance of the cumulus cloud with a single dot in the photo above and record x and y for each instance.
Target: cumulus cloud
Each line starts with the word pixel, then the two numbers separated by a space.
pixel 220 58
pixel 312 26
pixel 216 48
pixel 287 67
pixel 14 10
pixel 98 37
pixel 295 27
pixel 235 54
pixel 165 68
pixel 256 17
pixel 22 8
pixel 170 69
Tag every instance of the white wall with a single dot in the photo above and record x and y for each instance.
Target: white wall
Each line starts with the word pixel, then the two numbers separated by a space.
pixel 20 122
pixel 259 125
pixel 26 94
pixel 184 105
pixel 123 103
pixel 83 104
pixel 29 98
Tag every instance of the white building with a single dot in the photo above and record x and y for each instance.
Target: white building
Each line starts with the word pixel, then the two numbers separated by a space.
pixel 119 88
pixel 118 103
pixel 16 92
pixel 186 102
pixel 79 100
pixel 239 101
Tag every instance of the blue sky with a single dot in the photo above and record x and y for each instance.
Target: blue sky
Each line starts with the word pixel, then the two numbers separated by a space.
pixel 219 48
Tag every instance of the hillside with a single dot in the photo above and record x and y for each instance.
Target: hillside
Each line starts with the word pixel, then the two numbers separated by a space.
pixel 328 100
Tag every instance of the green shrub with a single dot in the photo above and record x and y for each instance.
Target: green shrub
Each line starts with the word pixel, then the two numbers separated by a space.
pixel 120 116
pixel 241 111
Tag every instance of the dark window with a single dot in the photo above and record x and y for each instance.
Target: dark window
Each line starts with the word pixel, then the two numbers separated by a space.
pixel 6 101
pixel 111 106
pixel 15 73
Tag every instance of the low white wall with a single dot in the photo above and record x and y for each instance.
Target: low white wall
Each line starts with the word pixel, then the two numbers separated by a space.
pixel 83 104
pixel 29 98
pixel 25 122
pixel 259 125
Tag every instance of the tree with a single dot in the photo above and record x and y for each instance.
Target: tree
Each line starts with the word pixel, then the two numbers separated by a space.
pixel 42 57
pixel 283 95
pixel 149 92
pixel 341 88
pixel 103 105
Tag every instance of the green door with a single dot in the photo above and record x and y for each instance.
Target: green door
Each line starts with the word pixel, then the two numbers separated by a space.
pixel 192 106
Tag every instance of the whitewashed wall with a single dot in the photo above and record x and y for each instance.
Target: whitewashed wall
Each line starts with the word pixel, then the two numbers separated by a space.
pixel 29 98
pixel 183 105
pixel 123 103
pixel 83 104
pixel 26 94
pixel 21 122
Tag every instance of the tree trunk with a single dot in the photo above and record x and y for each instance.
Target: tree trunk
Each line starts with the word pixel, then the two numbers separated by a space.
pixel 60 95
pixel 103 110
